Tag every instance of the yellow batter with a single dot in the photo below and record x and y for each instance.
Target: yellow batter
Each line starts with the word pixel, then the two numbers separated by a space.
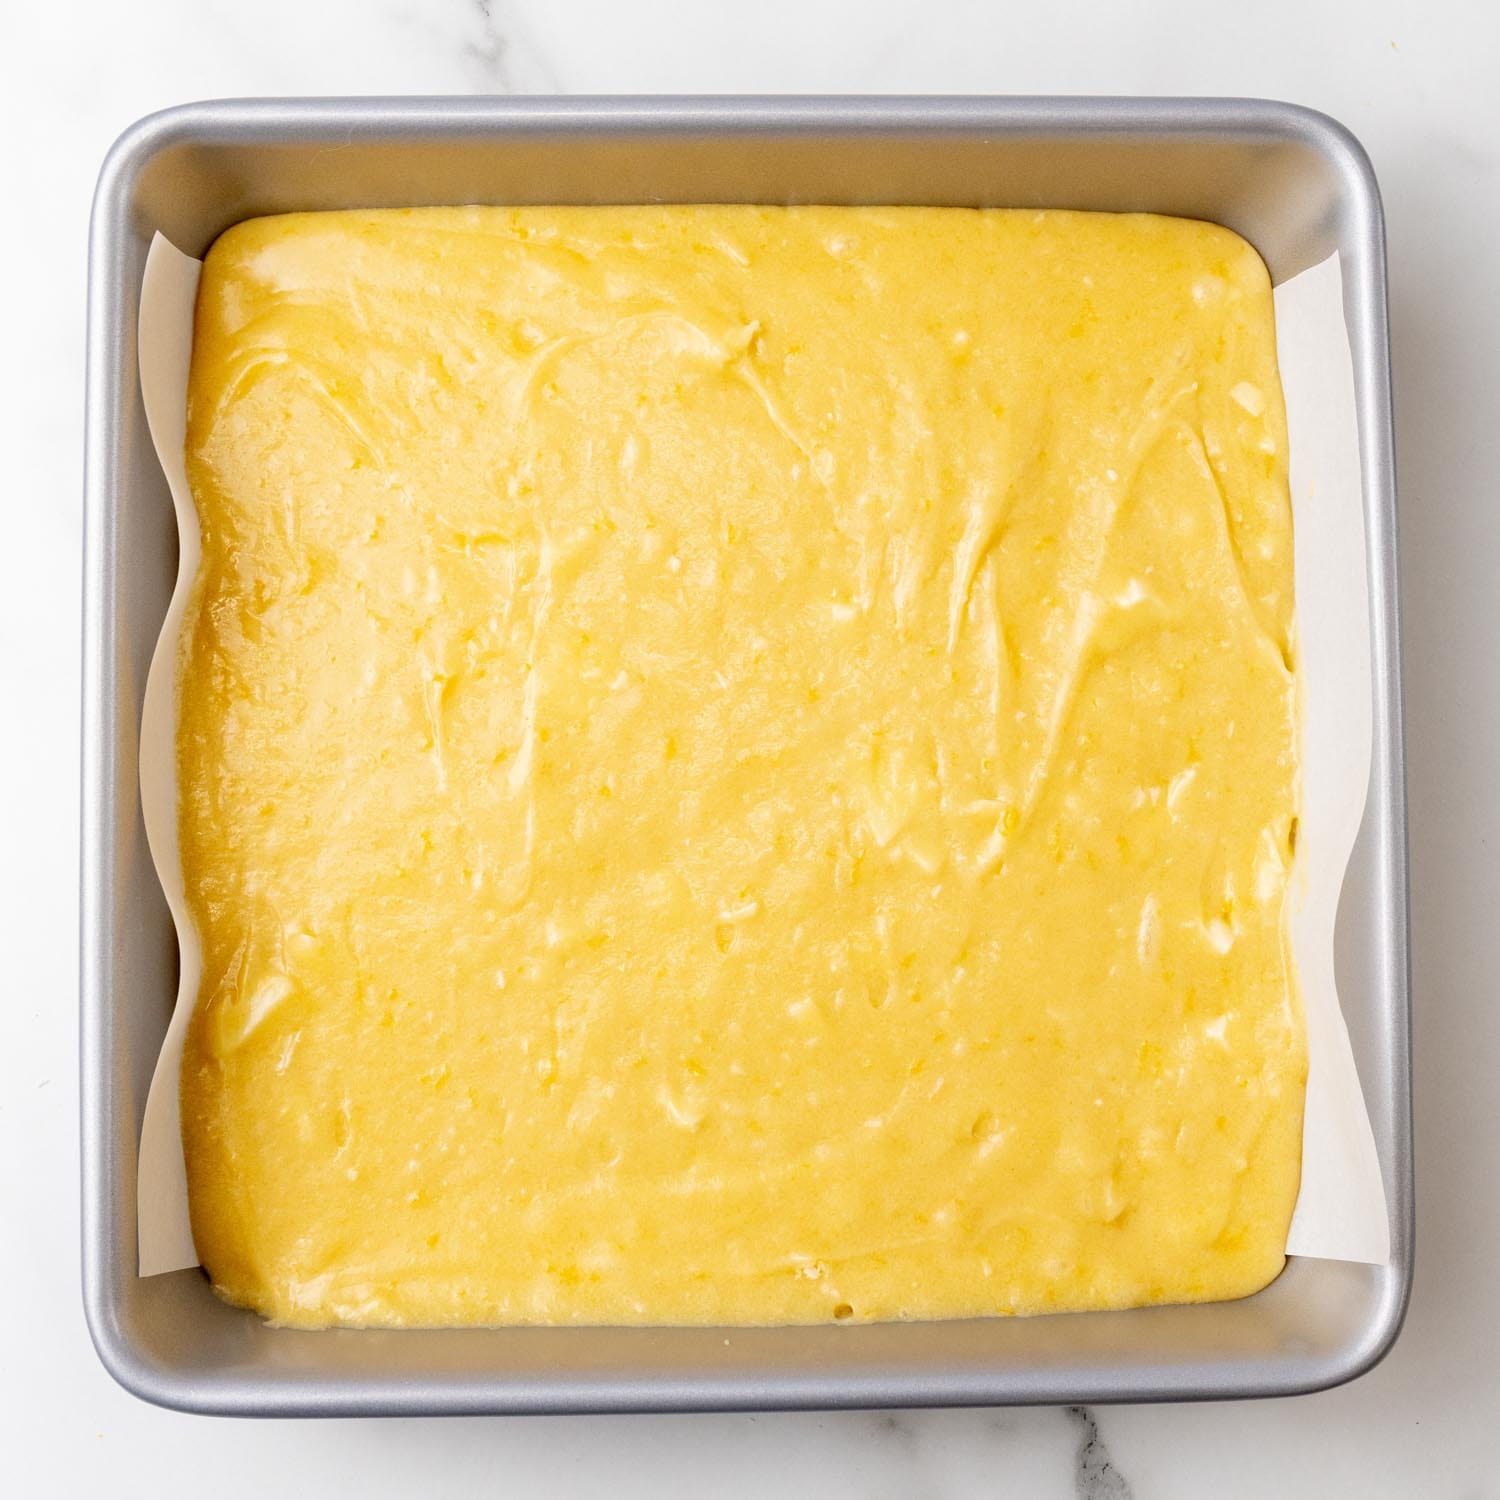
pixel 738 764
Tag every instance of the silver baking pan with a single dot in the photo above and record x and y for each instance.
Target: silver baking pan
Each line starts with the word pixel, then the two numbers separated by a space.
pixel 1293 182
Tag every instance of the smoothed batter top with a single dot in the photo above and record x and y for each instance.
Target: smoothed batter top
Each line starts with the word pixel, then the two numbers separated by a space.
pixel 738 764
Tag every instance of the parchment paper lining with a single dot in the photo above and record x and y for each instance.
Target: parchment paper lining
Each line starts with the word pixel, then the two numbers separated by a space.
pixel 1341 1210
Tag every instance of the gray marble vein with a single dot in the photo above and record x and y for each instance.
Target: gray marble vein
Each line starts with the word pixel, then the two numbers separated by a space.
pixel 503 57
pixel 896 1427
pixel 1095 1476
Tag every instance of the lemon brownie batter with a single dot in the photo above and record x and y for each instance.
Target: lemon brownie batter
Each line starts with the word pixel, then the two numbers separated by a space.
pixel 738 764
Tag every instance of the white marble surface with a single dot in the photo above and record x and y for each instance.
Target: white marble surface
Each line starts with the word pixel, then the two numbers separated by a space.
pixel 1417 83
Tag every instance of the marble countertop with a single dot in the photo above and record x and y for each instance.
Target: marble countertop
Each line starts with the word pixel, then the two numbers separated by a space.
pixel 1415 82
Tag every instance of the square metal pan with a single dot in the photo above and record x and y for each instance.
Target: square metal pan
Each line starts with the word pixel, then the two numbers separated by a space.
pixel 1293 182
